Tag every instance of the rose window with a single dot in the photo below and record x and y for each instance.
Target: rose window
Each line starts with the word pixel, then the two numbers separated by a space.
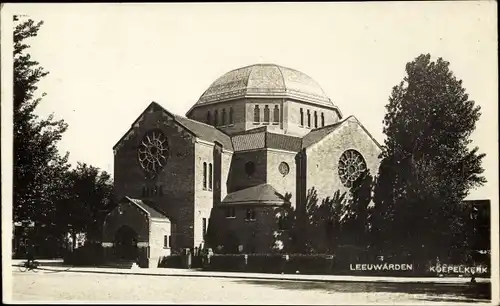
pixel 153 151
pixel 283 168
pixel 351 166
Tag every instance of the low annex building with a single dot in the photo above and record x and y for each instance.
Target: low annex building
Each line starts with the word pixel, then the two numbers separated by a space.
pixel 256 141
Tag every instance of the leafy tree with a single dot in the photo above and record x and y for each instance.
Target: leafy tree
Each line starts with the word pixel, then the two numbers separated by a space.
pixel 329 218
pixel 88 196
pixel 356 219
pixel 37 163
pixel 428 167
pixel 318 230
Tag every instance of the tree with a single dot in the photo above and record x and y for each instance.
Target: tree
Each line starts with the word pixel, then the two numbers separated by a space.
pixel 329 216
pixel 428 167
pixel 88 196
pixel 37 163
pixel 318 230
pixel 356 219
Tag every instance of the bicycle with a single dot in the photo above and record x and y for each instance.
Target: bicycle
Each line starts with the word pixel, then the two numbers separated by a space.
pixel 27 266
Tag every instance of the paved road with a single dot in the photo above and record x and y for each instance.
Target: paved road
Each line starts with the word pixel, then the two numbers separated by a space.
pixel 77 286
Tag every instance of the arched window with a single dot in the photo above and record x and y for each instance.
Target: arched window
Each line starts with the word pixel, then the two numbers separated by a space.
pixel 208 118
pixel 301 117
pixel 256 114
pixel 276 114
pixel 210 176
pixel 308 118
pixel 216 118
pixel 266 114
pixel 322 119
pixel 231 115
pixel 204 175
pixel 223 116
pixel 315 119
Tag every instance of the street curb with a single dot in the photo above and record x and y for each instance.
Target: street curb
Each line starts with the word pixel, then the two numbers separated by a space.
pixel 271 278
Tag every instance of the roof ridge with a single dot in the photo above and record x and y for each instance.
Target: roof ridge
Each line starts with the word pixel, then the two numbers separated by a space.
pixel 282 76
pixel 331 125
pixel 199 122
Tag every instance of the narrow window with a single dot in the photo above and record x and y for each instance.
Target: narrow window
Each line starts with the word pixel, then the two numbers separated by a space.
pixel 308 118
pixel 256 114
pixel 204 228
pixel 322 119
pixel 266 114
pixel 231 115
pixel 276 114
pixel 170 241
pixel 301 117
pixel 210 176
pixel 223 116
pixel 230 212
pixel 208 118
pixel 315 119
pixel 250 215
pixel 216 118
pixel 204 175
pixel 165 241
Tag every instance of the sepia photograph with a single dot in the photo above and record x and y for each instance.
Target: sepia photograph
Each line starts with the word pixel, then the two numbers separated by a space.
pixel 327 153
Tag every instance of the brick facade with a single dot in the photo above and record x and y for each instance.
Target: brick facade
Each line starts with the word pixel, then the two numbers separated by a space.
pixel 323 157
pixel 205 164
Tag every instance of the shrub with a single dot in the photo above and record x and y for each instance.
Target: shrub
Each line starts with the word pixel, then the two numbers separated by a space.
pixel 227 262
pixel 171 261
pixel 309 264
pixel 89 254
pixel 266 263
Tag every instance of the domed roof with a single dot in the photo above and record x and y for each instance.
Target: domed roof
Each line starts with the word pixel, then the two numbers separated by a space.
pixel 265 80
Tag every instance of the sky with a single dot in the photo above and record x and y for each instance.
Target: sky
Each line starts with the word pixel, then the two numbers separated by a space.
pixel 107 62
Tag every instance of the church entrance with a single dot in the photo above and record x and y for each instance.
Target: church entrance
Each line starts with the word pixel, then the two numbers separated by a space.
pixel 126 243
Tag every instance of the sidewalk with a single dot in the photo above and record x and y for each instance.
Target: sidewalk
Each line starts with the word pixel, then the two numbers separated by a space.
pixel 57 266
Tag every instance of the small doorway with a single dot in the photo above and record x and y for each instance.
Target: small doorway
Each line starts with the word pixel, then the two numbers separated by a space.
pixel 126 243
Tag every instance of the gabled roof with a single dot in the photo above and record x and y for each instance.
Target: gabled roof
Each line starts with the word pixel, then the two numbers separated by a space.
pixel 206 132
pixel 263 194
pixel 203 131
pixel 261 138
pixel 283 142
pixel 152 212
pixel 318 134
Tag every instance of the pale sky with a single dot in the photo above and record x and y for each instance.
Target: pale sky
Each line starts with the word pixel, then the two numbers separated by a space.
pixel 107 62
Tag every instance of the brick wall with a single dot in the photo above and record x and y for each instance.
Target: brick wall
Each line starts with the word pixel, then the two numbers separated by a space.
pixel 256 236
pixel 238 178
pixel 200 114
pixel 323 157
pixel 226 159
pixel 271 103
pixel 131 216
pixel 292 120
pixel 158 230
pixel 282 183
pixel 203 196
pixel 175 179
pixel 126 214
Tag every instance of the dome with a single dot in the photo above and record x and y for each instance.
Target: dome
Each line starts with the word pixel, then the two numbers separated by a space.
pixel 265 81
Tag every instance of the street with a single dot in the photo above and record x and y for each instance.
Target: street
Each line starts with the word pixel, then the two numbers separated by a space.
pixel 58 285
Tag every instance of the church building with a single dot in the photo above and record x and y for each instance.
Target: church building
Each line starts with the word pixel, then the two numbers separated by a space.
pixel 255 142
